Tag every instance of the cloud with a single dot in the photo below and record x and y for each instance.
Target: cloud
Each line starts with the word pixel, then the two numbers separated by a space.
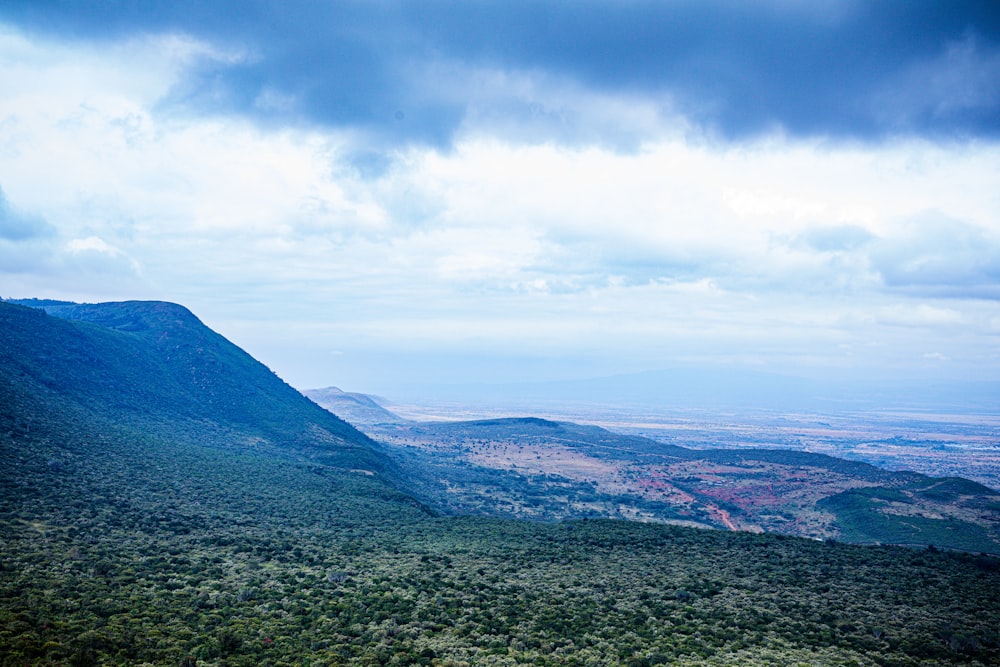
pixel 934 254
pixel 960 86
pixel 605 230
pixel 17 227
pixel 835 238
pixel 403 73
pixel 99 259
pixel 26 241
pixel 778 215
pixel 30 249
pixel 486 213
pixel 918 315
pixel 91 244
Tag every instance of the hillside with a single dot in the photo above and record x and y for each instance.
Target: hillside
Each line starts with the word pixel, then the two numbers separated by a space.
pixel 353 407
pixel 156 366
pixel 142 525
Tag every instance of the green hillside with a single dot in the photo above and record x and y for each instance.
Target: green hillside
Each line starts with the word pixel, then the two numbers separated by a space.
pixel 156 366
pixel 147 518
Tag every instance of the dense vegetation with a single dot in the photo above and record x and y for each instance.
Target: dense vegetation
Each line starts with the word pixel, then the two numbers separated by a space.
pixel 124 544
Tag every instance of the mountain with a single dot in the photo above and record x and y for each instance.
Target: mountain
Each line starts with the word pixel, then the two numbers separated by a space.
pixel 353 407
pixel 156 366
pixel 166 500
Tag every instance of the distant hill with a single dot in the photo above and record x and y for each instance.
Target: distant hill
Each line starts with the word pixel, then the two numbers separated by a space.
pixel 714 388
pixel 354 408
pixel 156 367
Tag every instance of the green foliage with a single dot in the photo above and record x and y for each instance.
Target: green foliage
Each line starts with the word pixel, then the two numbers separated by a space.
pixel 159 552
pixel 952 488
pixel 145 551
pixel 862 517
pixel 854 469
pixel 138 534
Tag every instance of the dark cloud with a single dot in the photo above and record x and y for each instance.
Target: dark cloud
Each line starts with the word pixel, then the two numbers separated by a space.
pixel 827 68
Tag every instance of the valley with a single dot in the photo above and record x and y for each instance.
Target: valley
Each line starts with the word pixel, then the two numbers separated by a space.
pixel 739 475
pixel 936 444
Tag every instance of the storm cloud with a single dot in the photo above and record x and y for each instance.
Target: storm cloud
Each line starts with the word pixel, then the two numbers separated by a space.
pixel 413 72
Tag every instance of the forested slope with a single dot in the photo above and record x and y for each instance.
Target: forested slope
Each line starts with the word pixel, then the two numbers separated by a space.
pixel 155 366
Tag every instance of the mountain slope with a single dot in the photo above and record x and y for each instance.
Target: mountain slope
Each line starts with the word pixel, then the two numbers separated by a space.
pixel 157 366
pixel 353 407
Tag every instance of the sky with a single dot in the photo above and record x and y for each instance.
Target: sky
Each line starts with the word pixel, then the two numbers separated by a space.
pixel 378 195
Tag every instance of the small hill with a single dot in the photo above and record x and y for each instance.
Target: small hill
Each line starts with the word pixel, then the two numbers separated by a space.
pixel 352 407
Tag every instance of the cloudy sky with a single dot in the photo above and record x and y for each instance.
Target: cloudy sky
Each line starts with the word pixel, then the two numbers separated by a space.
pixel 373 194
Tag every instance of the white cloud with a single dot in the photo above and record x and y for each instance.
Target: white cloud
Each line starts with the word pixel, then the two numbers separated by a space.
pixel 918 315
pixel 934 253
pixel 91 244
pixel 675 248
pixel 751 216
pixel 534 106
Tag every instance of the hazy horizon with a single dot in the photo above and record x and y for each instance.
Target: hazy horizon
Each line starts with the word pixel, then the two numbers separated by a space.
pixel 388 195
